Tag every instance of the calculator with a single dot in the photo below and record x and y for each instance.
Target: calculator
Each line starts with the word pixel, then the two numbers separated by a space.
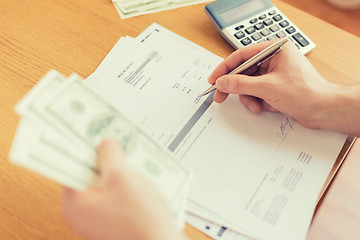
pixel 246 22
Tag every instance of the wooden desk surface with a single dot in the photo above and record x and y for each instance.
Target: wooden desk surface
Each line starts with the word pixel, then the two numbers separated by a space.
pixel 74 36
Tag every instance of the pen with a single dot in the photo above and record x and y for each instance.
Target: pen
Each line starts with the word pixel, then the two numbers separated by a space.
pixel 257 59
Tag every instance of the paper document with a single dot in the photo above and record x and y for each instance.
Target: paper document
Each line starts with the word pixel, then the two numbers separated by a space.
pixel 258 173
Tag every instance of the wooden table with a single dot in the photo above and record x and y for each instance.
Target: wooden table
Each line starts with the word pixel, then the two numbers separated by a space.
pixel 74 36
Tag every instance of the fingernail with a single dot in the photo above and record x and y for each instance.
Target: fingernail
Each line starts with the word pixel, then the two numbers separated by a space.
pixel 221 84
pixel 252 108
pixel 106 141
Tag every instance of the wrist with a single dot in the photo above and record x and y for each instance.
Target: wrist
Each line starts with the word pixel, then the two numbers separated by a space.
pixel 341 110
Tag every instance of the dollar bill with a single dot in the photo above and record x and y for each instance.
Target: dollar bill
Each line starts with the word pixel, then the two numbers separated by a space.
pixel 28 151
pixel 143 5
pixel 63 121
pixel 131 9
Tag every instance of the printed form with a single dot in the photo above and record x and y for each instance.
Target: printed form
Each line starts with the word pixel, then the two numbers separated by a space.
pixel 252 173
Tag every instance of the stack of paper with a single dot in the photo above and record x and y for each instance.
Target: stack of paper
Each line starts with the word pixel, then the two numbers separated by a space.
pixel 62 123
pixel 255 176
pixel 132 8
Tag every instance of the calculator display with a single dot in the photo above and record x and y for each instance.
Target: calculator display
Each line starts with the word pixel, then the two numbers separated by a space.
pixel 242 10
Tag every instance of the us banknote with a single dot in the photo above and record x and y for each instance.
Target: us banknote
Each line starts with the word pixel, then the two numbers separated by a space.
pixel 63 121
pixel 127 9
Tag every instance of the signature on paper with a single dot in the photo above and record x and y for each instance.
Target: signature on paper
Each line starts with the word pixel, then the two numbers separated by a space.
pixel 286 126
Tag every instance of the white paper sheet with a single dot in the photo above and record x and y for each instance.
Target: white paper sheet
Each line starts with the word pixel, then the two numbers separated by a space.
pixel 215 230
pixel 261 173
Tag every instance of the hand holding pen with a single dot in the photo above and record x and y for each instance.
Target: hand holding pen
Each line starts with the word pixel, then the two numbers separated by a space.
pixel 287 83
pixel 256 60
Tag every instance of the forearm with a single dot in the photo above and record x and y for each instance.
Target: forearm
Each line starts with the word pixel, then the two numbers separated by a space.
pixel 343 111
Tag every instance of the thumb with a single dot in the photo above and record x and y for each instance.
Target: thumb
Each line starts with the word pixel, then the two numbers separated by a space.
pixel 257 86
pixel 109 156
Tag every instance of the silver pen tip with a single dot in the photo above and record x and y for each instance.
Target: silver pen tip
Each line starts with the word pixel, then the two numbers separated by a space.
pixel 198 98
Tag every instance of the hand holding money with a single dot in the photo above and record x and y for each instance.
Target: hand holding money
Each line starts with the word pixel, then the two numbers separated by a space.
pixel 63 121
pixel 122 206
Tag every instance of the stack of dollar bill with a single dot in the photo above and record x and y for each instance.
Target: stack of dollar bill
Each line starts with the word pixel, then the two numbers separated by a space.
pixel 132 8
pixel 62 123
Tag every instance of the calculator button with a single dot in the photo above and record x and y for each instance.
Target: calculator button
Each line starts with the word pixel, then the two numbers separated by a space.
pixel 274 28
pixel 281 34
pixel 262 40
pixel 284 23
pixel 256 36
pixel 277 17
pixel 268 22
pixel 290 30
pixel 263 16
pixel 239 27
pixel 239 34
pixel 250 30
pixel 259 26
pixel 265 32
pixel 300 39
pixel 272 12
pixel 254 20
pixel 272 37
pixel 246 41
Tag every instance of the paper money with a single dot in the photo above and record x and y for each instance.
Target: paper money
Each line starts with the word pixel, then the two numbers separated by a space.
pixel 27 150
pixel 63 121
pixel 127 9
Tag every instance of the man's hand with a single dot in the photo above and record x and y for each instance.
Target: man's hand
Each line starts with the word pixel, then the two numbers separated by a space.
pixel 288 83
pixel 122 206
